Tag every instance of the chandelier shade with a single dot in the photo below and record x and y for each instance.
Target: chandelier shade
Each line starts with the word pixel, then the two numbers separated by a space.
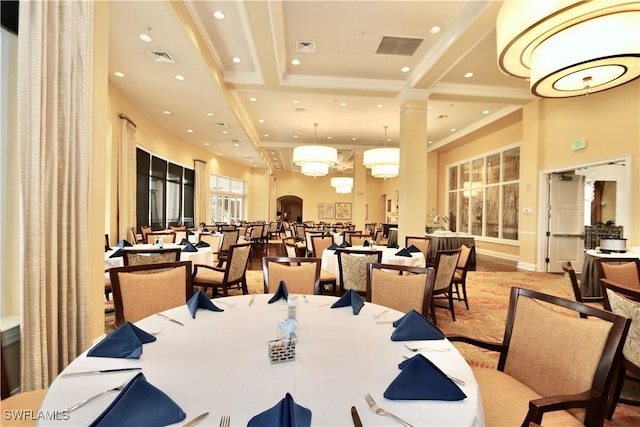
pixel 383 162
pixel 568 47
pixel 315 160
pixel 343 185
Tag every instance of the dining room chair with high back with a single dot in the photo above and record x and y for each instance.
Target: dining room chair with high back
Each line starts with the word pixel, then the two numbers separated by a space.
pixel 348 233
pixel 625 302
pixel 319 244
pixel 445 267
pixel 180 235
pixel 299 232
pixel 229 237
pixel 358 239
pixel 625 271
pixel 294 248
pixel 308 235
pixel 256 235
pixel 166 236
pixel 178 227
pixel 133 237
pixel 400 287
pixel 352 267
pixel 16 408
pixel 301 275
pixel 144 230
pixel 142 290
pixel 232 275
pixel 422 243
pixel 138 256
pixel 214 241
pixel 555 368
pixel 273 230
pixel 459 281
pixel 572 280
pixel 393 237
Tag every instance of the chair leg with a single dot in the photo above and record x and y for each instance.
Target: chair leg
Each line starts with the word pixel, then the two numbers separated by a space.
pixel 433 313
pixel 245 290
pixel 616 389
pixel 464 294
pixel 451 307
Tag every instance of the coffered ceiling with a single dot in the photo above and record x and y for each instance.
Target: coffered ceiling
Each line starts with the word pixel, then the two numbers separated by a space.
pixel 351 55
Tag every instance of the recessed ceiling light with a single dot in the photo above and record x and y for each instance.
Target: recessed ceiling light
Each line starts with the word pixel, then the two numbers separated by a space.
pixel 329 137
pixel 429 142
pixel 118 74
pixel 379 106
pixel 167 112
pixel 343 104
pixel 295 101
pixel 210 114
pixel 295 62
pixel 236 59
pixel 266 135
pixel 468 75
pixel 179 77
pixel 145 37
pixel 246 156
pixel 190 130
pixel 252 99
pixel 434 30
pixel 354 139
pixel 405 69
pixel 453 129
pixel 207 143
pixel 295 136
pixel 224 132
pixel 220 154
pixel 486 112
pixel 218 14
pixel 261 121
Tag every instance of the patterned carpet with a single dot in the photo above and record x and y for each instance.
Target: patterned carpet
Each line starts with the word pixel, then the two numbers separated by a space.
pixel 488 294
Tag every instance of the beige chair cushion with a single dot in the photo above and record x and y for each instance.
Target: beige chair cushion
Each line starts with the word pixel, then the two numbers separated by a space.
pixel 325 276
pixel 400 292
pixel 625 274
pixel 30 400
pixel 505 401
pixel 206 275
pixel 299 279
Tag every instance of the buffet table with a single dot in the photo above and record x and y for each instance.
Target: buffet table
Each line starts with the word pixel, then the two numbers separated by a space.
pixel 218 363
pixel 448 241
pixel 590 279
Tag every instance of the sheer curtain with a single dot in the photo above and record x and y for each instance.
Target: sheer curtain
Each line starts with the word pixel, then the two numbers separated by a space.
pixel 54 119
pixel 126 176
pixel 201 199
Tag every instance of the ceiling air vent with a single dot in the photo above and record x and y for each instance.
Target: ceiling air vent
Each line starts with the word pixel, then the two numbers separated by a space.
pixel 305 47
pixel 160 56
pixel 221 125
pixel 402 46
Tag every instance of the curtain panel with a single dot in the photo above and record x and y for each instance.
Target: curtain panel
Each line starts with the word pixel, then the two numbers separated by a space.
pixel 201 199
pixel 126 187
pixel 55 67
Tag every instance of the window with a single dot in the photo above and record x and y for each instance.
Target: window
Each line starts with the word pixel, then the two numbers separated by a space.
pixel 483 195
pixel 164 192
pixel 227 199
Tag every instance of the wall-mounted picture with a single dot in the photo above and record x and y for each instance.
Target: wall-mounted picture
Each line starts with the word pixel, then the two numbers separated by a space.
pixel 325 210
pixel 343 210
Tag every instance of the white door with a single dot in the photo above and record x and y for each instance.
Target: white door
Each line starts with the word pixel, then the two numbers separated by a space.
pixel 565 235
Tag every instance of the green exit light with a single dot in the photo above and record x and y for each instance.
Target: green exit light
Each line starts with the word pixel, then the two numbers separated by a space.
pixel 579 144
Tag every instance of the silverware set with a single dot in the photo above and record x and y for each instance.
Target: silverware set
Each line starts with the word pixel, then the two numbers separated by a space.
pixel 415 350
pixel 378 410
pixel 225 421
pixel 92 398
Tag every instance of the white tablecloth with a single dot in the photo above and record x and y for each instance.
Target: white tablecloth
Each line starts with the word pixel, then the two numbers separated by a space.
pixel 203 256
pixel 330 259
pixel 218 363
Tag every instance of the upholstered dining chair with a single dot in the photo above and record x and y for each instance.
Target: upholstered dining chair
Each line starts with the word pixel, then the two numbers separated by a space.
pixel 166 236
pixel 624 271
pixel 142 290
pixel 420 242
pixel 150 256
pixel 257 231
pixel 178 227
pixel 460 276
pixel 19 403
pixel 445 267
pixel 301 275
pixel 133 237
pixel 214 241
pixel 625 302
pixel 319 243
pixel 229 237
pixel 144 230
pixel 293 247
pixel 572 280
pixel 357 239
pixel 352 265
pixel 555 368
pixel 400 287
pixel 232 275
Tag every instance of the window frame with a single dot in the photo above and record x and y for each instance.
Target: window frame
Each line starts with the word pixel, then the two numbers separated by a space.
pixel 230 194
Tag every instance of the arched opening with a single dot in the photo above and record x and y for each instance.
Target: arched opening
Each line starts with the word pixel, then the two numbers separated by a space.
pixel 289 208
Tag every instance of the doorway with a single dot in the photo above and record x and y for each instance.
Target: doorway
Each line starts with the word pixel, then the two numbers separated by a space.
pixel 290 208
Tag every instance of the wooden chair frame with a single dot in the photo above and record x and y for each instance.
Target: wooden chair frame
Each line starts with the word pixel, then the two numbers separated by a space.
pixel 445 291
pixel 226 282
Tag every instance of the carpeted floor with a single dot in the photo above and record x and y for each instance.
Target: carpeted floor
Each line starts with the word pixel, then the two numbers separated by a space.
pixel 488 294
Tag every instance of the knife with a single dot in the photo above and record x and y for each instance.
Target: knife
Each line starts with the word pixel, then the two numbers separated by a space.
pixel 253 297
pixel 356 417
pixel 170 319
pixel 195 421
pixel 101 371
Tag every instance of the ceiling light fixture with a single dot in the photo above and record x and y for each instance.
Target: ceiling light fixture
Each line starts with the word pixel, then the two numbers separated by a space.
pixel 315 160
pixel 342 184
pixel 218 14
pixel 383 162
pixel 569 47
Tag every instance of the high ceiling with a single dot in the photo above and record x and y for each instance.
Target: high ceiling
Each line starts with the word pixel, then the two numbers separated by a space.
pixel 253 112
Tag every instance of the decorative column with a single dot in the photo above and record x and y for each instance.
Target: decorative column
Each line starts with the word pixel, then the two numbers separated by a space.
pixel 412 209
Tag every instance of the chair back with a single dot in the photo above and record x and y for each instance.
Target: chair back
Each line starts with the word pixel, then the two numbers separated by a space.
pixel 625 302
pixel 178 227
pixel 572 280
pixel 237 263
pixel 352 264
pixel 445 266
pixel 554 352
pixel 357 239
pixel 308 235
pixel 180 235
pixel 166 236
pixel 214 240
pixel 131 235
pixel 301 275
pixel 145 229
pixel 300 232
pixel 142 290
pixel 229 237
pixel 393 236
pixel 319 243
pixel 400 287
pixel 421 243
pixel 150 256
pixel 625 271
pixel 256 232
pixel 290 246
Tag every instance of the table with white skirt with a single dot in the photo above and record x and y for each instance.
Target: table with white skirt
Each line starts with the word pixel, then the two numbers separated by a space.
pixel 218 363
pixel 589 278
pixel 203 256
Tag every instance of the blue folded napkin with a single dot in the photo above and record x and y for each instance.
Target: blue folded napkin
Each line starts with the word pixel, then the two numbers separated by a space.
pixel 202 244
pixel 344 244
pixel 140 403
pixel 350 298
pixel 189 248
pixel 286 413
pixel 201 300
pixel 282 292
pixel 413 326
pixel 420 379
pixel 403 252
pixel 333 247
pixel 123 244
pixel 106 248
pixel 124 343
pixel 393 246
pixel 413 248
pixel 116 254
pixel 366 243
pixel 184 241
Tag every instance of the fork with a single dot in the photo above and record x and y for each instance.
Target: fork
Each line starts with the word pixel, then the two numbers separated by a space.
pixel 225 421
pixel 379 315
pixel 92 398
pixel 305 299
pixel 378 410
pixel 415 350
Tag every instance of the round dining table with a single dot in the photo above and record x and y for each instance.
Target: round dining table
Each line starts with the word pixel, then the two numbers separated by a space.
pixel 202 256
pixel 218 362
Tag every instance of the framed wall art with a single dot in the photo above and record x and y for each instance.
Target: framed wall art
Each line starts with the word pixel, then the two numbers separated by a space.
pixel 325 210
pixel 343 210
